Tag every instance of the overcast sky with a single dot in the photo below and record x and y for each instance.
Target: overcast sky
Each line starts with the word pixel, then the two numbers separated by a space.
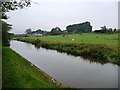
pixel 47 14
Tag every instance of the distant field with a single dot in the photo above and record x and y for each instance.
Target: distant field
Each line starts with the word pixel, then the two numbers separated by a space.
pixel 105 39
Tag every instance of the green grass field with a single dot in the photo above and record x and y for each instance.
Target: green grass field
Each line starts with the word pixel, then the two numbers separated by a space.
pixel 18 73
pixel 89 38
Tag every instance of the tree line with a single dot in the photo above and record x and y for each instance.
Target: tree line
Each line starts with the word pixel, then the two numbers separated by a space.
pixel 75 28
pixel 106 30
pixel 84 27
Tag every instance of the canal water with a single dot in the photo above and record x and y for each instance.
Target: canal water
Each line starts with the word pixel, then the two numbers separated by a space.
pixel 67 69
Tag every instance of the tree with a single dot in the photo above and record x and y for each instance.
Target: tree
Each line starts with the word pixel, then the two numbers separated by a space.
pixel 6 6
pixel 28 31
pixel 109 30
pixel 5 35
pixel 115 30
pixel 79 28
pixel 5 28
pixel 104 28
pixel 56 31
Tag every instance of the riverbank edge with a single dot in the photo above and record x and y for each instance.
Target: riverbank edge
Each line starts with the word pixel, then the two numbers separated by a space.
pixel 49 78
pixel 93 52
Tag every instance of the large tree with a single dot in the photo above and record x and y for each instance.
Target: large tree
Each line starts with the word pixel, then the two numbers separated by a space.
pixel 56 31
pixel 28 31
pixel 78 28
pixel 6 6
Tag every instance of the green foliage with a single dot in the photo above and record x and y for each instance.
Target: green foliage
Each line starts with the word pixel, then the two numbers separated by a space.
pixel 56 31
pixel 106 30
pixel 5 35
pixel 28 31
pixel 19 73
pixel 14 5
pixel 78 28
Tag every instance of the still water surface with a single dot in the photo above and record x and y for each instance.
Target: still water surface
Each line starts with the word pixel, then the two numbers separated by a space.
pixel 69 70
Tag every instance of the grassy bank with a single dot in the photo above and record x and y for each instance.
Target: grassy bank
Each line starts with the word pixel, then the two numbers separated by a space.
pixel 19 73
pixel 101 48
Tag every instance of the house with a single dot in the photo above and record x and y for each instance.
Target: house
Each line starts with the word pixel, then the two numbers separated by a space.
pixel 35 34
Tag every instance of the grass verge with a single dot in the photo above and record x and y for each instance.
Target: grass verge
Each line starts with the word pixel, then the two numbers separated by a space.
pixel 20 73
